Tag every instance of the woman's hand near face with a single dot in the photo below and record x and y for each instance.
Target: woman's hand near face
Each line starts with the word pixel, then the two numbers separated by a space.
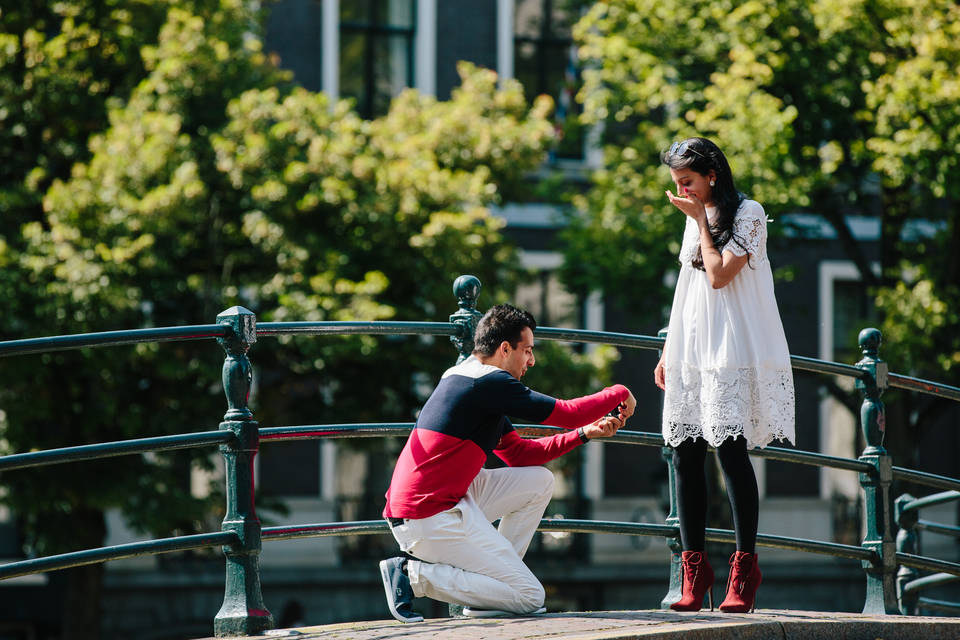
pixel 689 204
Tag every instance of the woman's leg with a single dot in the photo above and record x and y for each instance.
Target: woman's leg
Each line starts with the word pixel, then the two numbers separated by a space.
pixel 745 576
pixel 742 490
pixel 688 461
pixel 697 575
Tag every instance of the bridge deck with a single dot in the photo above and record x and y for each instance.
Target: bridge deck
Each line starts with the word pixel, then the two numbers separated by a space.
pixel 768 624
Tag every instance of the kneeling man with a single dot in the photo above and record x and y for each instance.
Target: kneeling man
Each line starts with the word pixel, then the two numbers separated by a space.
pixel 441 500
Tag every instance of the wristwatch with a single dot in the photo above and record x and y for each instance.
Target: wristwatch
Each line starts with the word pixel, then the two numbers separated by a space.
pixel 583 435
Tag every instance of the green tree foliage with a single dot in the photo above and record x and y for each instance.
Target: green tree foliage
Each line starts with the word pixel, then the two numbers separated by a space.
pixel 60 64
pixel 61 67
pixel 915 147
pixel 836 107
pixel 212 182
pixel 71 266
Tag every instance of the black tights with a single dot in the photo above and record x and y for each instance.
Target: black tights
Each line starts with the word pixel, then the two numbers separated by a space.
pixel 688 460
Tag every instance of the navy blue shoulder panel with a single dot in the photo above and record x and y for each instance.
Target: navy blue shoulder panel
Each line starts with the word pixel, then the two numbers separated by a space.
pixel 472 402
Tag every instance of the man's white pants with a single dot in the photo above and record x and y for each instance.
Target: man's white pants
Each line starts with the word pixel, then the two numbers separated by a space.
pixel 468 562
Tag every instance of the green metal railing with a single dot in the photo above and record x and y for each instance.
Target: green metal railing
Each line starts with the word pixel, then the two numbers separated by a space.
pixel 238 437
pixel 907 515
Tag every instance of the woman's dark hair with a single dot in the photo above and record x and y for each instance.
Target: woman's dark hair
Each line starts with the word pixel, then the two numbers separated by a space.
pixel 702 155
pixel 499 323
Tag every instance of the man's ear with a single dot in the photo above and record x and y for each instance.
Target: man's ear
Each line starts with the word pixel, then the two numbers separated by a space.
pixel 504 348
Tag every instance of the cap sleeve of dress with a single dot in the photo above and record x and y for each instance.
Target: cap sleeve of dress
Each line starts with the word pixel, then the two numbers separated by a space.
pixel 749 231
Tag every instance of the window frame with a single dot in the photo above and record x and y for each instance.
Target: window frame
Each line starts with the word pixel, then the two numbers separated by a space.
pixel 373 33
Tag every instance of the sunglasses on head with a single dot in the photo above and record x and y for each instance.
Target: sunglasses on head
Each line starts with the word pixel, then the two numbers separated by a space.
pixel 680 149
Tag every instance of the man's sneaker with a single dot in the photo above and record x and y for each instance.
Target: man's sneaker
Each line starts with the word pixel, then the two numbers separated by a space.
pixel 396 586
pixel 472 612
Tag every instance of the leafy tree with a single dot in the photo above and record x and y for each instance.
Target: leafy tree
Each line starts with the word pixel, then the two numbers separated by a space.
pixel 60 64
pixel 915 115
pixel 70 269
pixel 374 219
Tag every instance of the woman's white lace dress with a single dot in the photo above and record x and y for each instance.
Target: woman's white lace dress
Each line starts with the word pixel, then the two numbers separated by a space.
pixel 726 363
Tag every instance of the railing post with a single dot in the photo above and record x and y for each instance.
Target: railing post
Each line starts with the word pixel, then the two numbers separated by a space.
pixel 467 290
pixel 673 518
pixel 881 595
pixel 243 612
pixel 907 542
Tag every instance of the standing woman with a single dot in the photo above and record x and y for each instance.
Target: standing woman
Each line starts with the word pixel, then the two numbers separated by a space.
pixel 725 367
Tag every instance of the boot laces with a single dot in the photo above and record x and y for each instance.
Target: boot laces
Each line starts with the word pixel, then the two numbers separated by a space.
pixel 691 570
pixel 741 573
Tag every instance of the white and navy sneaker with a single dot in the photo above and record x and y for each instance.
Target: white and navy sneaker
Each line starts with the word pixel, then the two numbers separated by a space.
pixel 396 586
pixel 473 612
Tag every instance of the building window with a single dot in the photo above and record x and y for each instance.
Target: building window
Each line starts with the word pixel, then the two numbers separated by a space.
pixel 545 62
pixel 376 52
pixel 851 312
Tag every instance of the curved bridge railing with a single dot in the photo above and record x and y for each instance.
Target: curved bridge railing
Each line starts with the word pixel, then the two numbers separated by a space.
pixel 909 585
pixel 243 612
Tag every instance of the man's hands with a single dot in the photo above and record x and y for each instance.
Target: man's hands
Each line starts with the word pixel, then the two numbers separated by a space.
pixel 609 424
pixel 602 428
pixel 627 407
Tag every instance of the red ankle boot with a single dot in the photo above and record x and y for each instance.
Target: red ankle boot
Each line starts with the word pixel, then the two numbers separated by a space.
pixel 697 579
pixel 742 583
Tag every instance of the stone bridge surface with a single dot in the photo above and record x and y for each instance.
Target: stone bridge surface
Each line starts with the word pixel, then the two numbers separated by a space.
pixel 767 624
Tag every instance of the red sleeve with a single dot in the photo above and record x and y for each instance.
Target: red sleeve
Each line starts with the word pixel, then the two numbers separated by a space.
pixel 517 452
pixel 571 414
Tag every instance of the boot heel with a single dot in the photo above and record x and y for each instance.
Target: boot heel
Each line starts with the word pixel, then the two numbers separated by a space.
pixel 710 597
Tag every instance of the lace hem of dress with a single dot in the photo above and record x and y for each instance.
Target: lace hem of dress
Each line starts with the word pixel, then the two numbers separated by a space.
pixel 722 403
pixel 716 435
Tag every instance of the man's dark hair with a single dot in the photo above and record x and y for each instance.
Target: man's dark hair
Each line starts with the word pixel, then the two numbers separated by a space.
pixel 499 323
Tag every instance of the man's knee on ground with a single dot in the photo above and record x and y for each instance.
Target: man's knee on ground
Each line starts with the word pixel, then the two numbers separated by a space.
pixel 531 598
